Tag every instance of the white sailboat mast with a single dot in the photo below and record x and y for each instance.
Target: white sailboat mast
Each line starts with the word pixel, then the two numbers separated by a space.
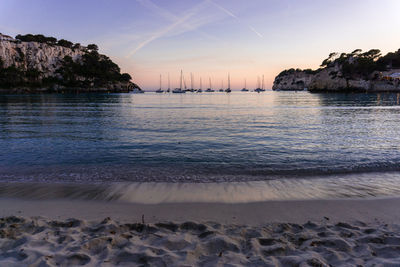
pixel 263 82
pixel 181 80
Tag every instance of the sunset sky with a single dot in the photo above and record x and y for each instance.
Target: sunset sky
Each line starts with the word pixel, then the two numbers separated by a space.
pixel 211 38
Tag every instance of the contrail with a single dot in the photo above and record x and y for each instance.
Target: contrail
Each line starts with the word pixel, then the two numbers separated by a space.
pixel 170 16
pixel 178 22
pixel 235 17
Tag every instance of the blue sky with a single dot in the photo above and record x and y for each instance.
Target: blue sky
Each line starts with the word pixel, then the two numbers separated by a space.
pixel 211 37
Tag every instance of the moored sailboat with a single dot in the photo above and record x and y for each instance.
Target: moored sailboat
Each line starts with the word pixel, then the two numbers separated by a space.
pixel 244 89
pixel 260 88
pixel 179 90
pixel 160 90
pixel 169 84
pixel 210 90
pixel 222 86
pixel 228 90
pixel 200 90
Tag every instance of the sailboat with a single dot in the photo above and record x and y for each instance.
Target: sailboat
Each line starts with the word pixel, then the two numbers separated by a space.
pixel 210 90
pixel 222 86
pixel 201 87
pixel 184 84
pixel 228 90
pixel 263 85
pixel 169 84
pixel 159 91
pixel 179 90
pixel 191 83
pixel 260 88
pixel 245 86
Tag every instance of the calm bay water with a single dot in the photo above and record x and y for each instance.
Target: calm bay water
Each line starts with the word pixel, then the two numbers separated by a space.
pixel 214 137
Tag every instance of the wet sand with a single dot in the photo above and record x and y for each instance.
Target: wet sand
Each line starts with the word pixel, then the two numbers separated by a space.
pixel 300 211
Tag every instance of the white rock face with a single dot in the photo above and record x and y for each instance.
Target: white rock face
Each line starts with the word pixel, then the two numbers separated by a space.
pixel 43 57
pixel 330 79
pixel 298 80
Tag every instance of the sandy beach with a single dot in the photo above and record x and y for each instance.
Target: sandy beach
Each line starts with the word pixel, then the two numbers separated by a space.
pixel 275 233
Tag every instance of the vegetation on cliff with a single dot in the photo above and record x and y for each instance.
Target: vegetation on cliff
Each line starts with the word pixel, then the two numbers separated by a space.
pixel 90 70
pixel 355 64
pixel 357 70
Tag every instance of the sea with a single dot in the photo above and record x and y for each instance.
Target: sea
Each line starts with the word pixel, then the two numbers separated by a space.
pixel 200 147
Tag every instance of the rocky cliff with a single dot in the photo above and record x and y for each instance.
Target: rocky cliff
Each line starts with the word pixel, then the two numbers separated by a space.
pixel 33 55
pixel 347 72
pixel 31 66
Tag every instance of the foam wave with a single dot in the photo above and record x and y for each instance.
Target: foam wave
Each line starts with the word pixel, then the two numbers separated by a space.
pixel 363 185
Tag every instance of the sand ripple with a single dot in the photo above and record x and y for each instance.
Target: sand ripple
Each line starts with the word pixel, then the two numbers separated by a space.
pixel 40 242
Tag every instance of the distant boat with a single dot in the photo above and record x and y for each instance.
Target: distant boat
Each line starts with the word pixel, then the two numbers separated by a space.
pixel 228 90
pixel 200 90
pixel 179 90
pixel 184 84
pixel 210 90
pixel 260 88
pixel 191 83
pixel 222 86
pixel 159 91
pixel 245 86
pixel 169 85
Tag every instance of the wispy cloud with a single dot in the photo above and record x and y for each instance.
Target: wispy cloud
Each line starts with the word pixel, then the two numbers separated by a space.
pixel 192 19
pixel 177 22
pixel 229 13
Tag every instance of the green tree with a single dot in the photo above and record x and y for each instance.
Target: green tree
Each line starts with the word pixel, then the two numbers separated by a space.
pixel 65 43
pixel 125 77
pixel 76 46
pixel 327 62
pixel 93 47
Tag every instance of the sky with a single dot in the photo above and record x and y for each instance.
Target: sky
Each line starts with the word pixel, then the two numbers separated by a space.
pixel 211 38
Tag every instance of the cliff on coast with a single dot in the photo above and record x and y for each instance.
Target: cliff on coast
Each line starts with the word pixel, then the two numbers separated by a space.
pixel 36 63
pixel 356 71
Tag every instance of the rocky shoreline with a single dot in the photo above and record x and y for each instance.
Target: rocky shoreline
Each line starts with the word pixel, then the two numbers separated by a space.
pixel 58 89
pixel 354 72
pixel 39 64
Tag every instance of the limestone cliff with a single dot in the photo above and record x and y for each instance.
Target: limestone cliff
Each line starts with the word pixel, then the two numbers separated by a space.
pixel 33 55
pixel 40 66
pixel 349 72
pixel 293 80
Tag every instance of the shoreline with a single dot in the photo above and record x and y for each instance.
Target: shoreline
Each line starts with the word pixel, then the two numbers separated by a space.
pixel 385 210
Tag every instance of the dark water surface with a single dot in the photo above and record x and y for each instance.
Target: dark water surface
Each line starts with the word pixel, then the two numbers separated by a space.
pixel 216 137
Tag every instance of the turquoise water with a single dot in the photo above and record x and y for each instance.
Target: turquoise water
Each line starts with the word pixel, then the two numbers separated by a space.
pixel 214 137
pixel 216 147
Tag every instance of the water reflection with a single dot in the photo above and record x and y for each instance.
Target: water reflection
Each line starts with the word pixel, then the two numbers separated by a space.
pixel 196 137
